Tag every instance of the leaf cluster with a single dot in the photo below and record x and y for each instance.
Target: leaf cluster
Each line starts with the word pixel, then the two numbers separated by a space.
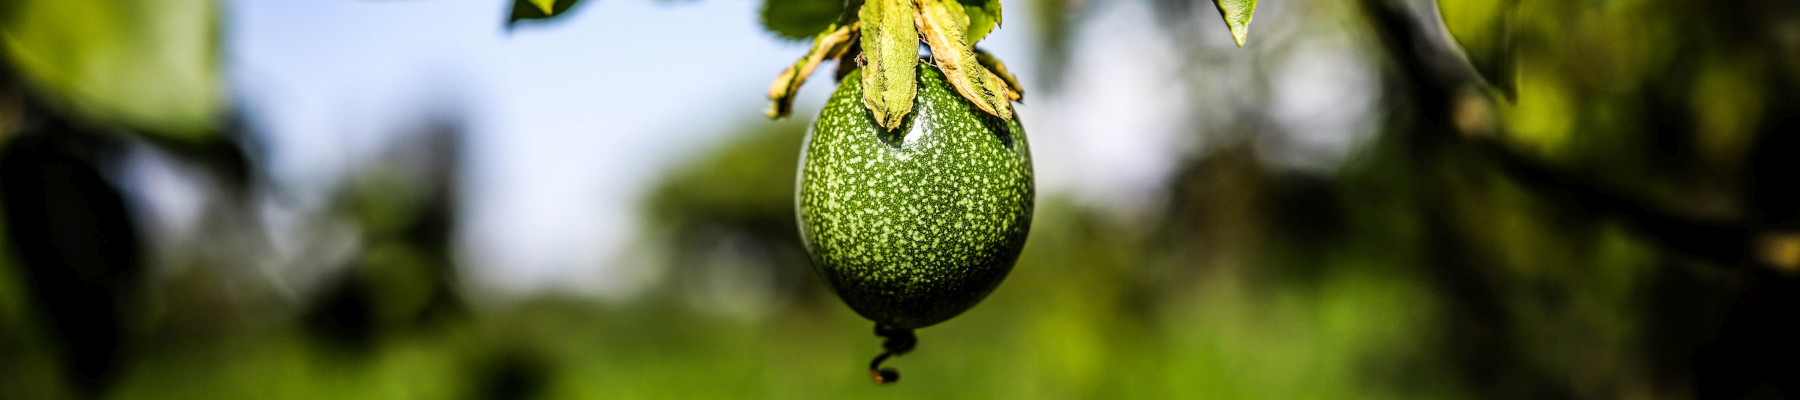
pixel 883 37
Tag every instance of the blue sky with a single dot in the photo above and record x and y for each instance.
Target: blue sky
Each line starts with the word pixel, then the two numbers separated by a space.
pixel 571 120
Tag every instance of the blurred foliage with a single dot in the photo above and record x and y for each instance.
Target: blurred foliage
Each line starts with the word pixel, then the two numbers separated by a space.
pixel 1056 21
pixel 729 224
pixel 1485 31
pixel 151 65
pixel 76 244
pixel 404 276
pixel 745 180
pixel 800 19
pixel 1710 75
pixel 15 344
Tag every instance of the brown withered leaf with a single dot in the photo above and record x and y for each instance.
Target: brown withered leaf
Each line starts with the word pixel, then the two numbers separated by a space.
pixel 829 45
pixel 1014 91
pixel 847 61
pixel 941 22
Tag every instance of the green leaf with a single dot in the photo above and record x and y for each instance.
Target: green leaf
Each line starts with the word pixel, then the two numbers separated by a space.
pixel 151 66
pixel 983 16
pixel 538 9
pixel 890 44
pixel 941 23
pixel 800 19
pixel 1237 16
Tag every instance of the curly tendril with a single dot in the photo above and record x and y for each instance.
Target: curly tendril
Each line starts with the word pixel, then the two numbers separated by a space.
pixel 895 342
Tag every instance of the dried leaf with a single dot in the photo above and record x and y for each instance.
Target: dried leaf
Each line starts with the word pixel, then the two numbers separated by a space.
pixel 829 45
pixel 847 62
pixel 941 22
pixel 890 47
pixel 1014 91
pixel 1237 16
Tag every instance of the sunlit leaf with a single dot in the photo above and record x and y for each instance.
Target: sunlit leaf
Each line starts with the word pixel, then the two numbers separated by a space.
pixel 890 44
pixel 150 65
pixel 1237 16
pixel 538 9
pixel 828 45
pixel 983 17
pixel 943 30
pixel 800 19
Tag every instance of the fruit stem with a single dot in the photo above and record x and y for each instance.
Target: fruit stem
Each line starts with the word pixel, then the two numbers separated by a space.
pixel 895 342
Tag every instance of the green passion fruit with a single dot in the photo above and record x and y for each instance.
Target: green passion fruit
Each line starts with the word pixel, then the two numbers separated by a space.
pixel 915 225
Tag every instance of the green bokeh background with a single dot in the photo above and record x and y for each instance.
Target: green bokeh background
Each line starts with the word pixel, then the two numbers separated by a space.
pixel 1414 270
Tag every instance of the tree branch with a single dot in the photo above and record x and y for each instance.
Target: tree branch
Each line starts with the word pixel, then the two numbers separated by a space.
pixel 1450 94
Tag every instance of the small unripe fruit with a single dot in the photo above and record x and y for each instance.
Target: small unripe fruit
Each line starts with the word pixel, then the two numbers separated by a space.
pixel 914 226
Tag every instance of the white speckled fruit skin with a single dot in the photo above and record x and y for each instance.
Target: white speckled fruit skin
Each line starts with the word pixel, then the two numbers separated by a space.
pixel 914 226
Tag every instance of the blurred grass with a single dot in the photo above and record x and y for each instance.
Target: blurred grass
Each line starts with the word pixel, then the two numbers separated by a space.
pixel 1050 332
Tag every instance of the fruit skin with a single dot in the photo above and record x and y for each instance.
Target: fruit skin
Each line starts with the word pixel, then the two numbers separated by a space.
pixel 914 226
